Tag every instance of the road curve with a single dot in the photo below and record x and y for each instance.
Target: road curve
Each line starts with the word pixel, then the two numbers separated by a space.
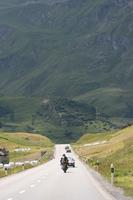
pixel 49 182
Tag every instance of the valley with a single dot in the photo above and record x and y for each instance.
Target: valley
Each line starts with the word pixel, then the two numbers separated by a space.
pixel 66 69
pixel 62 120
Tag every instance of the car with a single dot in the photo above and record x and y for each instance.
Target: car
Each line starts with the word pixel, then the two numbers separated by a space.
pixel 68 151
pixel 71 162
pixel 67 147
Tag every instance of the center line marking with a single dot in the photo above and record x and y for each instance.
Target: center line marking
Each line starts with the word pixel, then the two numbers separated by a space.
pixel 32 186
pixel 10 198
pixel 38 181
pixel 21 192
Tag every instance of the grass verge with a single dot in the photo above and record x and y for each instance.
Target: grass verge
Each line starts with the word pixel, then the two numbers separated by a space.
pixel 100 150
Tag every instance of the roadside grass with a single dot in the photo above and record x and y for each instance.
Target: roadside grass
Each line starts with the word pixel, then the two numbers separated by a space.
pixel 2 173
pixel 118 149
pixel 37 144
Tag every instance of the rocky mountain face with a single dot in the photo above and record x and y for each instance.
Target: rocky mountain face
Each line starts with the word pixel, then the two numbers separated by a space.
pixel 81 49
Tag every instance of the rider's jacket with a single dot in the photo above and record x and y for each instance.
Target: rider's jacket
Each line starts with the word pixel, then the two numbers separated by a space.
pixel 64 160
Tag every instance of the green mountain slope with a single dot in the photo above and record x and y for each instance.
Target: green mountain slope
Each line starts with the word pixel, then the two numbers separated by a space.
pixel 60 119
pixel 81 49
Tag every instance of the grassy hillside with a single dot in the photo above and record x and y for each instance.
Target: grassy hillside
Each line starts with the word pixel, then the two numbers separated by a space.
pixel 61 119
pixel 110 148
pixel 21 108
pixel 36 142
pixel 77 49
pixel 13 140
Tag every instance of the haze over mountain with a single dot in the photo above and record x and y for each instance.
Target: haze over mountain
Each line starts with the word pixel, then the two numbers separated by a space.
pixel 77 49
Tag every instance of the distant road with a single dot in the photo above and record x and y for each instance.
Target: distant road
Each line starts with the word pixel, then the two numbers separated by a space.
pixel 49 182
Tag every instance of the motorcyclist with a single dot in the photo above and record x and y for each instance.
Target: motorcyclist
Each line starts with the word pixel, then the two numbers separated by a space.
pixel 64 162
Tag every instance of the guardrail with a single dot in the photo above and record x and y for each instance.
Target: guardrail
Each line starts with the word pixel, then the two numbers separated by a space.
pixel 12 165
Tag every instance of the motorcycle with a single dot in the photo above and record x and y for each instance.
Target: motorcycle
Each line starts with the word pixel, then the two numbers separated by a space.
pixel 64 167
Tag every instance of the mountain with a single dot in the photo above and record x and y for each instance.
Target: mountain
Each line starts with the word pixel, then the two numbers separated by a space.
pixel 60 119
pixel 65 112
pixel 76 49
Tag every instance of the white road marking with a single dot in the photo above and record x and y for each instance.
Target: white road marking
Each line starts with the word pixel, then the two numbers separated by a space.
pixel 22 191
pixel 10 198
pixel 38 181
pixel 32 186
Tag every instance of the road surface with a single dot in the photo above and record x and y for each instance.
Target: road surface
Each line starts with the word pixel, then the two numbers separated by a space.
pixel 49 182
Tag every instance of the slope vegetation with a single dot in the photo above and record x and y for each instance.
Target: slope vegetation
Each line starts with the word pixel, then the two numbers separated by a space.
pixel 60 119
pixel 79 49
pixel 35 142
pixel 25 151
pixel 108 148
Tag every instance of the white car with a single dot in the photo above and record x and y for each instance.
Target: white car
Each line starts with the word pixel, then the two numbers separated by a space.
pixel 71 162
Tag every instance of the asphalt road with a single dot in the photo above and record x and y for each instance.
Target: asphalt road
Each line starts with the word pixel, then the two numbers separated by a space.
pixel 49 182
